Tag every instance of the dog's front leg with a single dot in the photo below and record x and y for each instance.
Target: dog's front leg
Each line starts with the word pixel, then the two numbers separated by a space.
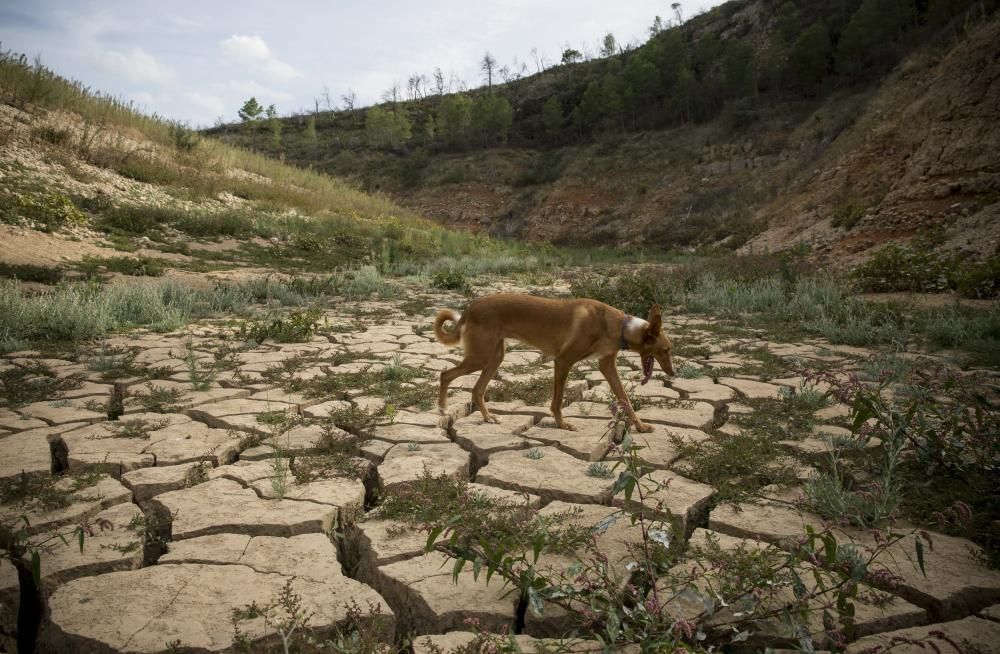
pixel 610 372
pixel 561 373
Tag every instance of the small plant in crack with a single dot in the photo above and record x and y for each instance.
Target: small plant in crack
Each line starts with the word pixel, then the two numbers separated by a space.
pixel 197 474
pixel 413 447
pixel 600 470
pixel 159 399
pixel 201 379
pixel 534 454
pixel 138 428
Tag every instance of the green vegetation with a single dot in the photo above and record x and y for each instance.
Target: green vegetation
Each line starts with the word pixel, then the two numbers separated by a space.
pixel 783 297
pixel 31 273
pixel 132 266
pixel 75 313
pixel 923 267
pixel 33 381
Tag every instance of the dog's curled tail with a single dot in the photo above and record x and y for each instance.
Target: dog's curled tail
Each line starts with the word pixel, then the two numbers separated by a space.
pixel 447 315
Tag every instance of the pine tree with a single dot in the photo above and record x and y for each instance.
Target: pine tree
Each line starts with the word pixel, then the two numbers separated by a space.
pixel 810 56
pixel 250 113
pixel 552 117
pixel 454 117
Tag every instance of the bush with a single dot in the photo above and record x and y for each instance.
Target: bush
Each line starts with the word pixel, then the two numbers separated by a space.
pixel 80 312
pixel 918 267
pixel 848 214
pixel 137 220
pixel 547 168
pixel 981 280
pixel 632 292
pixel 31 273
pixel 296 327
pixel 43 210
pixel 451 280
pixel 132 266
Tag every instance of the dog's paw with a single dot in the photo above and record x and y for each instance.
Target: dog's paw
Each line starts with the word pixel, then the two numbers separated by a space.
pixel 565 425
pixel 491 418
pixel 442 410
pixel 643 427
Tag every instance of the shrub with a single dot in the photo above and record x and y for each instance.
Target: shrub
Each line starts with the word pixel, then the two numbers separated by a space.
pixel 452 280
pixel 848 214
pixel 296 327
pixel 132 266
pixel 918 267
pixel 43 210
pixel 31 273
pixel 980 280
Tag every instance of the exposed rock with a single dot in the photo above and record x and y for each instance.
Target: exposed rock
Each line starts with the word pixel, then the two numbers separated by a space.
pixel 114 543
pixel 554 476
pixel 669 496
pixel 752 389
pixel 703 388
pixel 28 451
pixel 426 600
pixel 456 640
pixel 402 433
pixel 83 505
pixel 150 482
pixel 145 610
pixel 589 440
pixel 404 463
pixel 224 506
pixel 971 634
pixel 59 412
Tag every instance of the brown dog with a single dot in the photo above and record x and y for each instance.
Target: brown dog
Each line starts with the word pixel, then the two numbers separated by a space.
pixel 568 330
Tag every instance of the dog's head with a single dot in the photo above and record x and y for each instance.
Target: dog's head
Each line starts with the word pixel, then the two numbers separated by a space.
pixel 655 345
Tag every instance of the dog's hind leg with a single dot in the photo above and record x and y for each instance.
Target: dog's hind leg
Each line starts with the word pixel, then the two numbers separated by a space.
pixel 479 390
pixel 466 367
pixel 479 352
pixel 562 366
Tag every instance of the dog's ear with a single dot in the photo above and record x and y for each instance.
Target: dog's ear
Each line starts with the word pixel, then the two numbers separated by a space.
pixel 655 323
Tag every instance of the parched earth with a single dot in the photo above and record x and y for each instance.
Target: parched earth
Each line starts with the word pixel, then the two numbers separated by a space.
pixel 199 505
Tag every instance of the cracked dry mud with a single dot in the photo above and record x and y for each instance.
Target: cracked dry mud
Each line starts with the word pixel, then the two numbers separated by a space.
pixel 204 506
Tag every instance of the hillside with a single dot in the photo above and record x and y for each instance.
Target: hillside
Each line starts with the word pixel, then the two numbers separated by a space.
pixel 728 130
pixel 89 185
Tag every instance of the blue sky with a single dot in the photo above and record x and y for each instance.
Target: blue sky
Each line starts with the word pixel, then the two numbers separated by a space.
pixel 198 61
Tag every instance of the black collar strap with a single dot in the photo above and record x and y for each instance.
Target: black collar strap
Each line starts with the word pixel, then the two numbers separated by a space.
pixel 623 344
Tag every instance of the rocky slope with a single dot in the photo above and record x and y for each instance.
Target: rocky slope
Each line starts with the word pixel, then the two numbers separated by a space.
pixel 912 152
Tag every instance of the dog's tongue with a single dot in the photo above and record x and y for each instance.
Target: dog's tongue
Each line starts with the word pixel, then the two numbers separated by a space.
pixel 647 368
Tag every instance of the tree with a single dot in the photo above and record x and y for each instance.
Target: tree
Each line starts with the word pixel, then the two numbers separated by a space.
pixel 656 27
pixel 608 45
pixel 870 30
pixel 612 99
pixel 349 99
pixel 387 129
pixel 586 114
pixel 810 56
pixel 438 81
pixel 274 124
pixel 310 131
pixel 571 56
pixel 552 117
pixel 454 117
pixel 643 78
pixel 488 65
pixel 492 117
pixel 740 69
pixel 250 113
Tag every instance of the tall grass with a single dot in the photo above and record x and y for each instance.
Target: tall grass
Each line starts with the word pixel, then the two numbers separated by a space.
pixel 81 312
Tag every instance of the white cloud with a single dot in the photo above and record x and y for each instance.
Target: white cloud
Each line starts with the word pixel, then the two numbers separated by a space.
pixel 137 66
pixel 253 52
pixel 207 104
pixel 245 89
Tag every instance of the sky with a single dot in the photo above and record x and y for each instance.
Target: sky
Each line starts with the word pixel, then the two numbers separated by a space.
pixel 198 61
